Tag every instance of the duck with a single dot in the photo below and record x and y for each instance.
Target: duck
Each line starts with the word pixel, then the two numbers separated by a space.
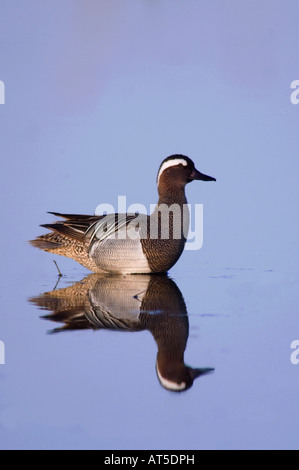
pixel 144 302
pixel 130 243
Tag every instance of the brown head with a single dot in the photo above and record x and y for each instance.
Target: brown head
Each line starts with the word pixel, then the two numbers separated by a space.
pixel 178 170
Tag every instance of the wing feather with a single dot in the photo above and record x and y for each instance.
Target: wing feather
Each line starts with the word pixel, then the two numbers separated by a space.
pixel 89 227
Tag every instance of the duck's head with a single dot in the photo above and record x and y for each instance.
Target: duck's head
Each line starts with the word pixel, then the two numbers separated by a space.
pixel 178 170
pixel 178 377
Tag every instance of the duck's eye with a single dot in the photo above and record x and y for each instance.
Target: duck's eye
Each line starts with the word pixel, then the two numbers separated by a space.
pixel 180 164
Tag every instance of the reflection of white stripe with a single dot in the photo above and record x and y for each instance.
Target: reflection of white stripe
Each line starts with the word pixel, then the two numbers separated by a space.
pixel 168 383
pixel 174 162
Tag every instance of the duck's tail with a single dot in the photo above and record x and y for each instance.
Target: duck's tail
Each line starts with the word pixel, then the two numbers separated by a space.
pixel 67 239
pixel 49 242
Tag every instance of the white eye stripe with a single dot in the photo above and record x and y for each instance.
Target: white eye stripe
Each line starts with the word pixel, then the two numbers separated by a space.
pixel 169 163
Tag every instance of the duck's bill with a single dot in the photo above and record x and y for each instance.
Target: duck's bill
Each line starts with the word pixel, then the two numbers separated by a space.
pixel 197 175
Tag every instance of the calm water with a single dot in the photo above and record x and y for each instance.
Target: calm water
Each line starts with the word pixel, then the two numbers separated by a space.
pixel 82 371
pixel 89 114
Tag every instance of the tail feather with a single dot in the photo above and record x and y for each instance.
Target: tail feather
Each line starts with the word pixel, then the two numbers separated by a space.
pixel 75 217
pixel 48 242
pixel 42 244
pixel 67 238
pixel 75 232
pixel 74 226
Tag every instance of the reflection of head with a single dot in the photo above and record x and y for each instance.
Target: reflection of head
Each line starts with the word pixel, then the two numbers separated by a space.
pixel 173 384
pixel 179 378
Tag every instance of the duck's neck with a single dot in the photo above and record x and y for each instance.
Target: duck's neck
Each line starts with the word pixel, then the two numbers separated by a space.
pixel 172 195
pixel 171 217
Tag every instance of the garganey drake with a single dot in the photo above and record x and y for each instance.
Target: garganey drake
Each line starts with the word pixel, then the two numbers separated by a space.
pixel 130 243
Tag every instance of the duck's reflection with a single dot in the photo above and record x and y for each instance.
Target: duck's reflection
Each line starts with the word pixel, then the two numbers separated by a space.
pixel 130 303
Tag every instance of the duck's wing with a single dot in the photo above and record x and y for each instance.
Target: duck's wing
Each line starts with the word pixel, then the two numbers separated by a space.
pixel 105 243
pixel 86 228
pixel 108 226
